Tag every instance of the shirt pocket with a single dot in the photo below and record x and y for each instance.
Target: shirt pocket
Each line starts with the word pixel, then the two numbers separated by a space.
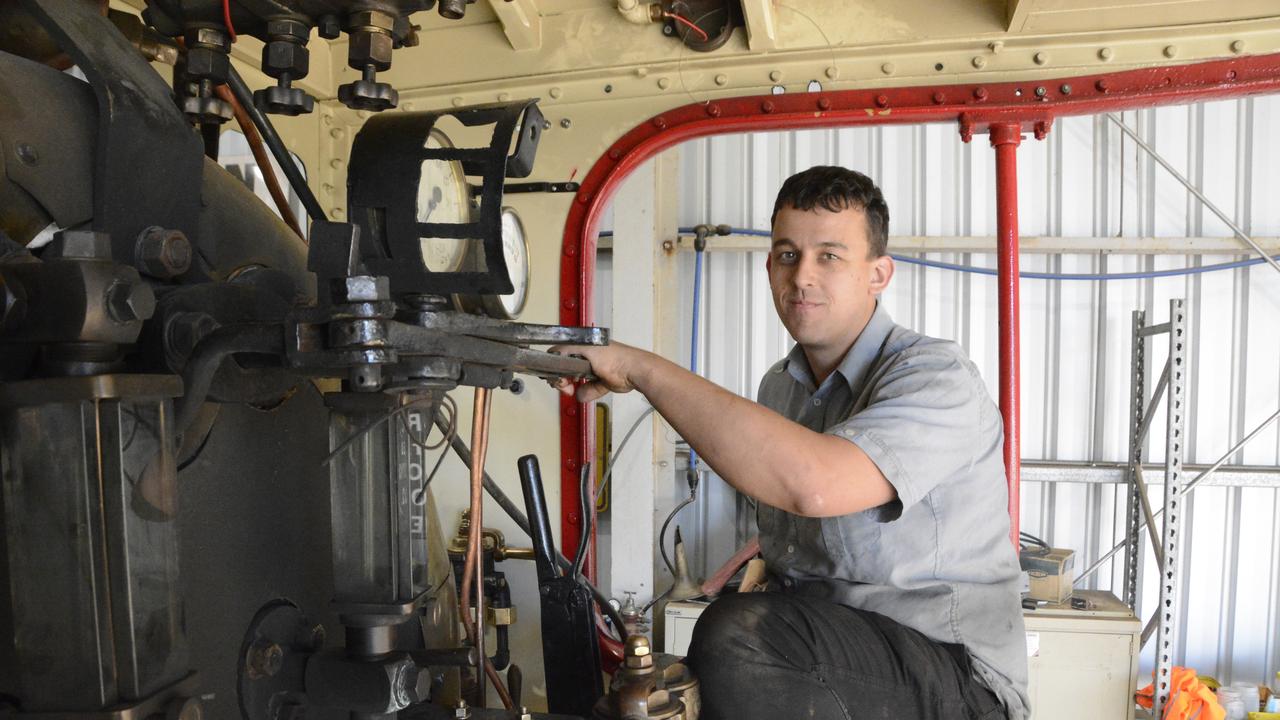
pixel 854 544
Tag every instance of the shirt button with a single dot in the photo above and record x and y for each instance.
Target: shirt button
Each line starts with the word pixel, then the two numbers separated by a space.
pixel 791 548
pixel 787 582
pixel 817 401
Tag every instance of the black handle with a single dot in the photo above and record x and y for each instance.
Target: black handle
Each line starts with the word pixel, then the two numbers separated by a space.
pixel 515 684
pixel 535 505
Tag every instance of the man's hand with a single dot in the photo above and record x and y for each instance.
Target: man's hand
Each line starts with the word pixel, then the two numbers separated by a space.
pixel 616 367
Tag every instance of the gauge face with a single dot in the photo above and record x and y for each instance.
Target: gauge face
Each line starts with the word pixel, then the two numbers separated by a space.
pixel 443 197
pixel 515 250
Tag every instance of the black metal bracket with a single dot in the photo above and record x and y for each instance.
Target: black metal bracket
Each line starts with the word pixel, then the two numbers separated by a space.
pixel 546 187
pixel 382 193
pixel 134 185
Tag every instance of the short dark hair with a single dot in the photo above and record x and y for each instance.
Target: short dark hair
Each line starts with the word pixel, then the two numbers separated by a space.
pixel 834 189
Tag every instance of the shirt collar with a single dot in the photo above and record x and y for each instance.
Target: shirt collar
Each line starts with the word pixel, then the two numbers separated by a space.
pixel 853 368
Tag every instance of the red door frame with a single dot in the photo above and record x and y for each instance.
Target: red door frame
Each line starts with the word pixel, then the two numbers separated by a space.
pixel 1003 110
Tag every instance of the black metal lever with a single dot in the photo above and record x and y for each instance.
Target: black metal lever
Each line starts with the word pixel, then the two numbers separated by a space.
pixel 535 505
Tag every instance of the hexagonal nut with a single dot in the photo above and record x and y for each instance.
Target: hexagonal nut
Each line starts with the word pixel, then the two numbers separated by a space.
pixel 203 62
pixel 288 28
pixel 162 253
pixel 128 301
pixel 209 37
pixel 206 109
pixel 365 95
pixel 79 245
pixel 329 27
pixel 286 58
pixel 370 48
pixel 361 288
pixel 370 19
pixel 283 101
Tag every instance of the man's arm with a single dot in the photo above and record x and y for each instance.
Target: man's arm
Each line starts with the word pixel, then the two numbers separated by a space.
pixel 757 451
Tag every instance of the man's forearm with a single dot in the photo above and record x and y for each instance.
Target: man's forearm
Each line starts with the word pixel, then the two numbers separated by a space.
pixel 756 450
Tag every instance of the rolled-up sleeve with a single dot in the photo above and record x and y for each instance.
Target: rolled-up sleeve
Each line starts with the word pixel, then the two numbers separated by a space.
pixel 922 424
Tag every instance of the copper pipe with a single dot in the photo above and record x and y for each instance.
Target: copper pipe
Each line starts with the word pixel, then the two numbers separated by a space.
pixel 260 156
pixel 472 577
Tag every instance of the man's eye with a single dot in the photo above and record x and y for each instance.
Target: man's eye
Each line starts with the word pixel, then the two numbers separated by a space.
pixel 830 256
pixel 786 256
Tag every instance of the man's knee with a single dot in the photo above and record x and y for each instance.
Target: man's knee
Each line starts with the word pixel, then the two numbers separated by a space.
pixel 741 627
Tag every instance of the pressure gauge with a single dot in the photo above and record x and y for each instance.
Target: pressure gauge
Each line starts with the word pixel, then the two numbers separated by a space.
pixel 515 250
pixel 443 197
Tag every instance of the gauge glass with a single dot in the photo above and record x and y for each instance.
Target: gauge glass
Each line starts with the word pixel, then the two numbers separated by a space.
pixel 515 250
pixel 443 197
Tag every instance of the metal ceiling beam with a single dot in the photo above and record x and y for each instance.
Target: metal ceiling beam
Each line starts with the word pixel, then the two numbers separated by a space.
pixel 520 21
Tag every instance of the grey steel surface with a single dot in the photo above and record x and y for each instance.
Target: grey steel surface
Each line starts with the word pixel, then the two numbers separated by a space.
pixel 511 332
pixel 1137 420
pixel 1171 535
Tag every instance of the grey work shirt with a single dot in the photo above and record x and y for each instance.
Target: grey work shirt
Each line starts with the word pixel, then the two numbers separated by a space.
pixel 938 558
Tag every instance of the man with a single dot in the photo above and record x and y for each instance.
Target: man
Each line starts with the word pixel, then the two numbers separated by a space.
pixel 875 456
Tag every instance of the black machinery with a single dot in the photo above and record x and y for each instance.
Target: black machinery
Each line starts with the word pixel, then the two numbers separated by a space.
pixel 139 281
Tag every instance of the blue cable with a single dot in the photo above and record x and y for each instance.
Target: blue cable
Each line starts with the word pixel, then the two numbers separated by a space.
pixel 693 343
pixel 938 264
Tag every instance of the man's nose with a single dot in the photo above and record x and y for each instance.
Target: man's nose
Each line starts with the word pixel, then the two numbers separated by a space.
pixel 806 273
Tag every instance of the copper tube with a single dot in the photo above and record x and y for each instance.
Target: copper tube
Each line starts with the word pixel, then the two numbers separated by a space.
pixel 260 156
pixel 472 577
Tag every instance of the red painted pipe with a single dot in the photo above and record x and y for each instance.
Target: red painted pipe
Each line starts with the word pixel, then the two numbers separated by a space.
pixel 1005 138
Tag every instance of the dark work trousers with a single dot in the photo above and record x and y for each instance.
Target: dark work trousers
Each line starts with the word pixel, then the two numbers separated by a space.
pixel 781 655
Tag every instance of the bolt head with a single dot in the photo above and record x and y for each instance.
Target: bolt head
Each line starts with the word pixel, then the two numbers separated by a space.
pixel 204 62
pixel 162 253
pixel 370 48
pixel 286 57
pixel 329 27
pixel 128 302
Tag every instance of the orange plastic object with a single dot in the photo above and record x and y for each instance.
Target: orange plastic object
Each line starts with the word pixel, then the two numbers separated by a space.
pixel 1188 698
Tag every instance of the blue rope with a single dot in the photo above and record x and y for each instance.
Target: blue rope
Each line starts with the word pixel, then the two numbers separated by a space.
pixel 938 264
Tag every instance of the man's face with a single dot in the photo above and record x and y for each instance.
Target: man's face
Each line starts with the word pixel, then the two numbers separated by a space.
pixel 824 283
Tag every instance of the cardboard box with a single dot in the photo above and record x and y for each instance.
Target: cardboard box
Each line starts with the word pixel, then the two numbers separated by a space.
pixel 1050 573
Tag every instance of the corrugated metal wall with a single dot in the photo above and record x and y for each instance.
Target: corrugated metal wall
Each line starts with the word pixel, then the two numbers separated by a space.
pixel 1083 181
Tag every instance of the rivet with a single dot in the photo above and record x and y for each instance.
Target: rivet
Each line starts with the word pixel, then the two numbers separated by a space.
pixel 573 409
pixel 504 97
pixel 979 61
pixel 1102 85
pixel 1041 91
pixel 939 98
pixel 775 75
pixel 832 72
pixel 664 83
pixel 1170 51
pixel 327 119
pixel 566 123
pixel 337 213
pixel 1105 53
pixel 327 189
pixel 1237 47
pixel 573 518
pixel 766 106
pixel 570 250
pixel 1231 75
pixel 615 153
pixel 882 100
pixel 824 104
pixel 571 464
pixel 1041 58
pixel 1065 89
pixel 660 123
pixel 713 110
pixel 642 72
pixel 336 133
pixel 888 68
pixel 570 304
pixel 996 46
pixel 555 93
pixel 457 102
pixel 979 93
pixel 722 79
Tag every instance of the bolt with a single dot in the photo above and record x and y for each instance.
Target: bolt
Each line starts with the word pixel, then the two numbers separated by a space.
pixel 128 302
pixel 979 93
pixel 882 101
pixel 979 62
pixel 888 68
pixel 824 104
pixel 461 711
pixel 713 110
pixel 668 246
pixel 1041 58
pixel 1102 85
pixel 1041 91
pixel 264 660
pixel 1105 53
pixel 722 79
pixel 776 75
pixel 162 253
pixel 517 386
pixel 766 106
pixel 939 98
pixel 642 72
pixel 668 30
pixel 1237 47
pixel 664 83
pixel 566 123
pixel 27 153
pixel 1171 51
pixel 832 72
pixel 555 93
pixel 996 46
pixel 1065 89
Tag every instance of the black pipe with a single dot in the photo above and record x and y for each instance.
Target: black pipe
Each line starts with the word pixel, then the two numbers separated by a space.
pixel 464 454
pixel 535 503
pixel 276 146
pixel 202 366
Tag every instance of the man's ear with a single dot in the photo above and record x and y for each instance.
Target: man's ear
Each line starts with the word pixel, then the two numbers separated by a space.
pixel 768 262
pixel 881 273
